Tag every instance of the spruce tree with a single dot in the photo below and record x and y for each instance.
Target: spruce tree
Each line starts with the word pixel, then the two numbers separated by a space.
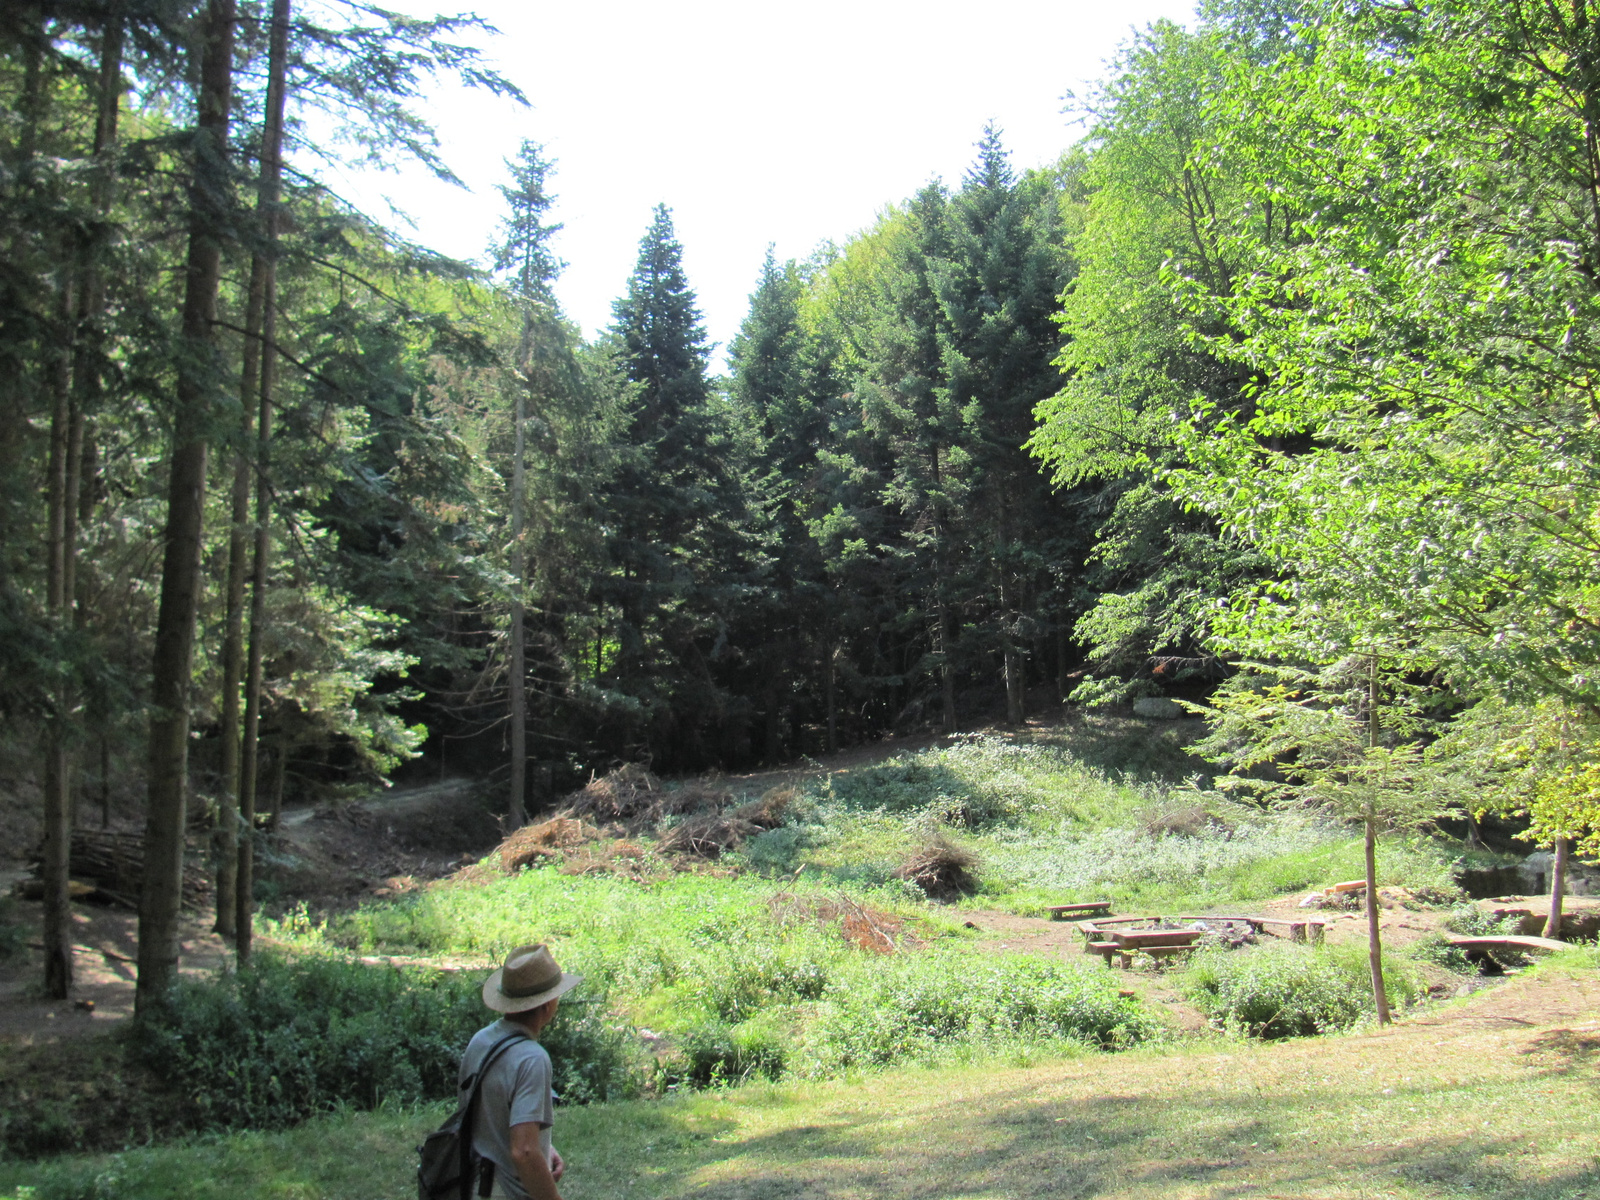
pixel 676 544
pixel 997 290
pixel 524 253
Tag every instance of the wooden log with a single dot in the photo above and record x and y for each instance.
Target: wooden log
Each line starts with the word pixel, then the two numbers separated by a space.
pixel 113 865
pixel 1295 931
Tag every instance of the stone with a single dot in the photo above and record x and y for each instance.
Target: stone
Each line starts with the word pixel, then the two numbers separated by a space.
pixel 1158 708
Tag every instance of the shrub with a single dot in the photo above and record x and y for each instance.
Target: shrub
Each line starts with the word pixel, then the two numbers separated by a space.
pixel 776 851
pixel 911 1008
pixel 716 1053
pixel 1436 949
pixel 741 980
pixel 287 1038
pixel 1283 990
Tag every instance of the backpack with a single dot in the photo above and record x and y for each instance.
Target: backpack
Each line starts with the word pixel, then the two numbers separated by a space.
pixel 447 1164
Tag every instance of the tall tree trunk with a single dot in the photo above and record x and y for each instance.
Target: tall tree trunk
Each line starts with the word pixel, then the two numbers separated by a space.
pixel 1012 655
pixel 76 390
pixel 225 836
pixel 1380 995
pixel 517 680
pixel 56 866
pixel 161 894
pixel 250 747
pixel 1558 887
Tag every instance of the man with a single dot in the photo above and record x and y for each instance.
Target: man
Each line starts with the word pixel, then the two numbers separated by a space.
pixel 511 1129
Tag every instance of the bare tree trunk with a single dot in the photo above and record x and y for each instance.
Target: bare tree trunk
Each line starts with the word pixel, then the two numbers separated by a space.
pixel 76 386
pixel 1380 996
pixel 249 750
pixel 833 699
pixel 105 782
pixel 1558 887
pixel 280 774
pixel 516 808
pixel 1012 657
pixel 944 617
pixel 162 891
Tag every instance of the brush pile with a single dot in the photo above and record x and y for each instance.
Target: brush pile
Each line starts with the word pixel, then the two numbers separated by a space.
pixel 702 820
pixel 548 839
pixel 626 794
pixel 863 927
pixel 942 869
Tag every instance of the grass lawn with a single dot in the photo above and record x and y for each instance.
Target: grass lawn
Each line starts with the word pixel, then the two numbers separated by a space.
pixel 1493 1096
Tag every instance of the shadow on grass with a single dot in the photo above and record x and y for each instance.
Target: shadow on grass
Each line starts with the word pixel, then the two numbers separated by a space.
pixel 1216 1143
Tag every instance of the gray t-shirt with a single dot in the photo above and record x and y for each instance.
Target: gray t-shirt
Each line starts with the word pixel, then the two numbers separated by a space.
pixel 515 1092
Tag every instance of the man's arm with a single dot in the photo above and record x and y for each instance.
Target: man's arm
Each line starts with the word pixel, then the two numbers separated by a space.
pixel 532 1166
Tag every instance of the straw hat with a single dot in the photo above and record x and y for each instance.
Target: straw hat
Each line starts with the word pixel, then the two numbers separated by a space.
pixel 529 978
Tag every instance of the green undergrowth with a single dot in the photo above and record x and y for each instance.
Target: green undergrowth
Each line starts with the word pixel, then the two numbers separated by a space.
pixel 736 977
pixel 1048 827
pixel 1285 1119
pixel 1280 990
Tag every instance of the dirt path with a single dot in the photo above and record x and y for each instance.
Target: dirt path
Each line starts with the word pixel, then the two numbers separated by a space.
pixel 104 950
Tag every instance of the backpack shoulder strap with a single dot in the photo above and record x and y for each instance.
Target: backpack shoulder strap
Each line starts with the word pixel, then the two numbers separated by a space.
pixel 470 1107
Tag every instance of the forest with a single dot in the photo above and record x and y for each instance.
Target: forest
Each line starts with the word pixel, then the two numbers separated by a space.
pixel 1277 394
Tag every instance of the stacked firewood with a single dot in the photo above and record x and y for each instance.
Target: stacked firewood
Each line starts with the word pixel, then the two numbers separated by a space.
pixel 114 864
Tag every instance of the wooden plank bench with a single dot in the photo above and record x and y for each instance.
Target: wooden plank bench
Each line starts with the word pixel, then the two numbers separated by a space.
pixel 1095 929
pixel 1510 942
pixel 1104 949
pixel 1147 939
pixel 1060 912
pixel 1126 955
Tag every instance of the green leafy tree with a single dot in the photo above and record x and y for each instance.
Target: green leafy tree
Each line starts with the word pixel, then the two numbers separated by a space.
pixel 1144 205
pixel 1333 739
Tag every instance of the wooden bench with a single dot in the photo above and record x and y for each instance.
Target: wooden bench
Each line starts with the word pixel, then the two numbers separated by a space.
pixel 1482 945
pixel 1146 939
pixel 1060 912
pixel 1104 949
pixel 1126 955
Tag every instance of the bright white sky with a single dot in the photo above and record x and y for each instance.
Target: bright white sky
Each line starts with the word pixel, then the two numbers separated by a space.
pixel 755 122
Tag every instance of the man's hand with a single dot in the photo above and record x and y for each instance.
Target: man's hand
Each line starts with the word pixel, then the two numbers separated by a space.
pixel 533 1168
pixel 557 1165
